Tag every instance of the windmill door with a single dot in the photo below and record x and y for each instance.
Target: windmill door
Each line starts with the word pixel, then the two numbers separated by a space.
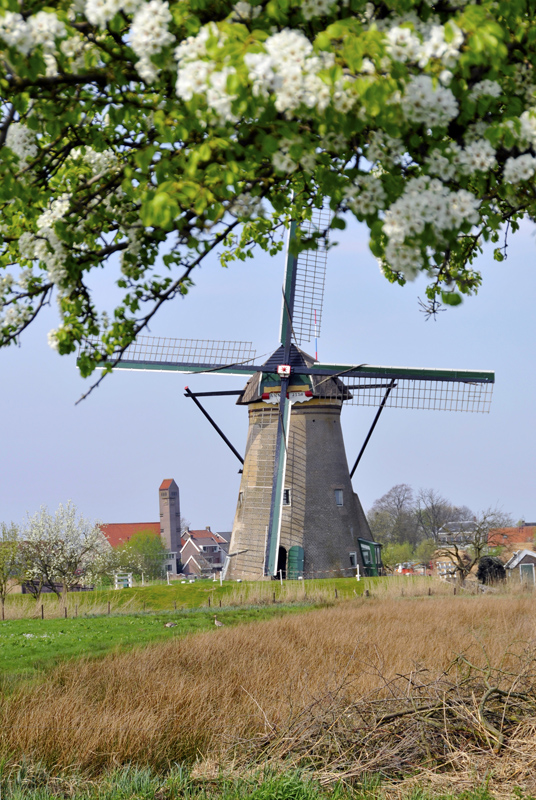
pixel 368 554
pixel 295 562
pixel 527 573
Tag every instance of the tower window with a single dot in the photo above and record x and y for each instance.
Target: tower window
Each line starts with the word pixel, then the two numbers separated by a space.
pixel 338 497
pixel 286 497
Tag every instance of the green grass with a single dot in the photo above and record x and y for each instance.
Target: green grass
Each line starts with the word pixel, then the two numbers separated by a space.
pixel 23 783
pixel 196 595
pixel 30 646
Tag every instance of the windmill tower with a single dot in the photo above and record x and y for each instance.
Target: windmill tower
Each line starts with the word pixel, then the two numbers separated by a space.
pixel 297 514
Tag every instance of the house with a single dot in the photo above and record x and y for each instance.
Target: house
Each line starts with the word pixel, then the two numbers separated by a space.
pixel 522 566
pixel 523 533
pixel 203 552
pixel 459 533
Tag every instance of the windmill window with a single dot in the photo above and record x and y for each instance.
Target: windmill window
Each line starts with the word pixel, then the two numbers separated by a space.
pixel 338 497
pixel 353 559
pixel 286 497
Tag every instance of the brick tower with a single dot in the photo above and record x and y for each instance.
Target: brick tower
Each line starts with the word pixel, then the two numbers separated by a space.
pixel 170 518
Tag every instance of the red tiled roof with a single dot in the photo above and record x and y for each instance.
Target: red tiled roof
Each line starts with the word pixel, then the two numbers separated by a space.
pixel 166 484
pixel 517 535
pixel 118 533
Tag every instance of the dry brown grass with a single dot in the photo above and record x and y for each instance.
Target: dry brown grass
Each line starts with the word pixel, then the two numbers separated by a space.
pixel 87 603
pixel 315 689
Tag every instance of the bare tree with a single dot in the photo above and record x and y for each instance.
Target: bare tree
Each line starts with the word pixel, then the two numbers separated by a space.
pixel 392 517
pixel 467 551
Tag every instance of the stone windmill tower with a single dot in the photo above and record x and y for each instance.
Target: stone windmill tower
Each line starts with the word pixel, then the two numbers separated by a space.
pixel 297 514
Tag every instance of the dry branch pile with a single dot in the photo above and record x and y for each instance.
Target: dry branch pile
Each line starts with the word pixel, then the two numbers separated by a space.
pixel 457 720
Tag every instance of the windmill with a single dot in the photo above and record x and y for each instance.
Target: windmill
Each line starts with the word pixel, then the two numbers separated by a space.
pixel 297 514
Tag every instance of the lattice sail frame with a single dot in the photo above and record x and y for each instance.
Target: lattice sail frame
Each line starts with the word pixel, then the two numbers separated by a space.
pixel 160 350
pixel 310 280
pixel 418 393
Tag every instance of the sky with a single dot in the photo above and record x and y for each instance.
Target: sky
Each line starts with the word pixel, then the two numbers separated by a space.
pixel 109 453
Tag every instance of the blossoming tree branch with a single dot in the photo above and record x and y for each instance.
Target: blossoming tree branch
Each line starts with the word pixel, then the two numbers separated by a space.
pixel 144 135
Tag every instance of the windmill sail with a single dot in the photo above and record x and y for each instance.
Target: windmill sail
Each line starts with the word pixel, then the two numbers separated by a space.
pixel 429 389
pixel 188 355
pixel 305 278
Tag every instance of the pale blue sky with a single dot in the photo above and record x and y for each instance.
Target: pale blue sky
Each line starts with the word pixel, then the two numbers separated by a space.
pixel 110 453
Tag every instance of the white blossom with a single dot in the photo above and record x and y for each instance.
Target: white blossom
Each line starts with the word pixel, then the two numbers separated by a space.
pixel 424 102
pixel 316 8
pixel 15 32
pixel 22 141
pixel 45 28
pixel 479 156
pixel 149 35
pixel 244 12
pixel 52 339
pixel 426 201
pixel 366 196
pixel 485 88
pixel 519 169
pixel 246 205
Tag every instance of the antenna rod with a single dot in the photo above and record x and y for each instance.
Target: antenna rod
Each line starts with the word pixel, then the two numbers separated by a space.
pixel 218 430
pixel 376 418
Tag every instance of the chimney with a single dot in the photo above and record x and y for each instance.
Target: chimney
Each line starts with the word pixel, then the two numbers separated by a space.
pixel 208 528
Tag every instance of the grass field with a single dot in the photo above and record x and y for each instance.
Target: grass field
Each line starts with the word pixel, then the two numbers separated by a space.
pixel 161 597
pixel 432 693
pixel 30 646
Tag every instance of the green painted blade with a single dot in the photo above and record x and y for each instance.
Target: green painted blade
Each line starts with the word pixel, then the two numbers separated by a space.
pixel 219 369
pixel 276 508
pixel 288 288
pixel 415 373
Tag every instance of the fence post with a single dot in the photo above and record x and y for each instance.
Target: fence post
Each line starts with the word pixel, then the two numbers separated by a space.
pixel 454 590
pixel 336 595
pixel 175 605
pixel 108 608
pixel 367 593
pixel 273 597
pixel 209 602
pixel 65 611
pixel 220 603
pixel 429 591
pixel 42 611
pixel 76 611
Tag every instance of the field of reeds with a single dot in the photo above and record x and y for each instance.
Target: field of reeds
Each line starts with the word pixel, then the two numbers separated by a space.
pixel 204 594
pixel 428 691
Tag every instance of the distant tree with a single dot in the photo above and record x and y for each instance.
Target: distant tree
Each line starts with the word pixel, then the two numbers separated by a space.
pixel 490 570
pixel 9 560
pixel 62 549
pixel 392 518
pixel 464 555
pixel 396 553
pixel 143 554
pixel 425 551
